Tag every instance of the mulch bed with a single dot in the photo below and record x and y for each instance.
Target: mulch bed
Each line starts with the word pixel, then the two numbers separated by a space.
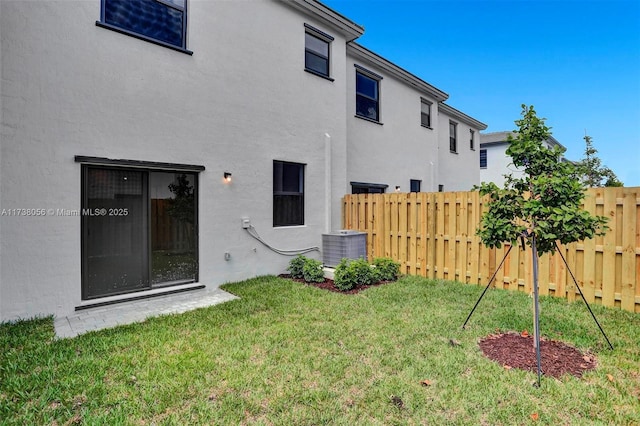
pixel 514 350
pixel 328 284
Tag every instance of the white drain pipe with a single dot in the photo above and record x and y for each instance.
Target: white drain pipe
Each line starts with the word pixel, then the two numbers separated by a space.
pixel 327 183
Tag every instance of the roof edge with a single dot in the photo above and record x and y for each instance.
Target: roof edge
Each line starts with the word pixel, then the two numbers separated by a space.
pixel 462 116
pixel 314 8
pixel 365 54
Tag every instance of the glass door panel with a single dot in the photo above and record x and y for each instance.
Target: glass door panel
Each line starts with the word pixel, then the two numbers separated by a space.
pixel 173 222
pixel 115 232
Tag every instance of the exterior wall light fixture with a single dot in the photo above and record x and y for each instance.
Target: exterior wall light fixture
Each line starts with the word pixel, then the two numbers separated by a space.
pixel 227 177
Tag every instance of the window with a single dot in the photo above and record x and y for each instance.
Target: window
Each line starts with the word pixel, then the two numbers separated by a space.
pixel 367 91
pixel 414 185
pixel 425 113
pixel 288 194
pixel 316 51
pixel 159 21
pixel 368 188
pixel 453 142
pixel 139 227
pixel 471 139
pixel 483 158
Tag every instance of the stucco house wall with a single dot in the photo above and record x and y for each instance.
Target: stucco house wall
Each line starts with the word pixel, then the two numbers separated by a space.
pixel 459 170
pixel 397 148
pixel 498 164
pixel 72 88
pixel 1 139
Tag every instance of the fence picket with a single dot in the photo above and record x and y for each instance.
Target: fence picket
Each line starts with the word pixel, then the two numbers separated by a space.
pixel 609 251
pixel 629 238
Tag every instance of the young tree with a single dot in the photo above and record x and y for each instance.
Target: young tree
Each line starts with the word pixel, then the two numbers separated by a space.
pixel 591 170
pixel 545 201
pixel 543 206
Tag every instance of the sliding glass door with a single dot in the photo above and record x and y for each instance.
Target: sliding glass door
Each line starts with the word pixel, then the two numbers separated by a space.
pixel 139 230
pixel 173 239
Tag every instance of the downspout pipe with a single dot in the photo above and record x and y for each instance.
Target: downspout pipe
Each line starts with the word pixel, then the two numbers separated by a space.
pixel 327 183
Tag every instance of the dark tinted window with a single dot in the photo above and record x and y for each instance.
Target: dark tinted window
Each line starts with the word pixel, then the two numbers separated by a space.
pixel 288 194
pixel 453 142
pixel 316 55
pixel 164 21
pixel 368 188
pixel 425 113
pixel 367 96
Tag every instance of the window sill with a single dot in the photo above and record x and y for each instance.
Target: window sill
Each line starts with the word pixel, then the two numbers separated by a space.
pixel 371 120
pixel 142 37
pixel 453 152
pixel 288 226
pixel 426 127
pixel 316 73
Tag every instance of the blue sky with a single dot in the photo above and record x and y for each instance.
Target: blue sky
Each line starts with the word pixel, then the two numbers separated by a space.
pixel 577 62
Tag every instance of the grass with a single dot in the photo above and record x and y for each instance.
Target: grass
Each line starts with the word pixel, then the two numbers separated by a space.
pixel 287 353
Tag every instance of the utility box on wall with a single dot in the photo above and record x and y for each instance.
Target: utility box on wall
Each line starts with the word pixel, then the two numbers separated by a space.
pixel 343 243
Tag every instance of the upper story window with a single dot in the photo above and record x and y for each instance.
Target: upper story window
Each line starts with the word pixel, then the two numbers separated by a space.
pixel 367 95
pixel 162 22
pixel 288 193
pixel 483 158
pixel 453 141
pixel 317 49
pixel 414 185
pixel 472 142
pixel 425 113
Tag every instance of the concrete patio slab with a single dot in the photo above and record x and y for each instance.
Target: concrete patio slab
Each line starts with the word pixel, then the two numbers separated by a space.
pixel 133 311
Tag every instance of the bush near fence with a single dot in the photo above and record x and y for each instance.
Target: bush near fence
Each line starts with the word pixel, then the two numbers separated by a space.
pixel 433 235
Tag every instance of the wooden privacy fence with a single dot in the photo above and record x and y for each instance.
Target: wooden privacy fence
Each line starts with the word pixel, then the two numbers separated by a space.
pixel 434 235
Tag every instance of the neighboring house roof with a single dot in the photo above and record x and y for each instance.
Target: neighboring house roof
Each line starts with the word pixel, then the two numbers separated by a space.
pixel 500 138
pixel 347 27
pixel 459 115
pixel 378 61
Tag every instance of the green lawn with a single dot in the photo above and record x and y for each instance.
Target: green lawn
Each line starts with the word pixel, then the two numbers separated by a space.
pixel 287 353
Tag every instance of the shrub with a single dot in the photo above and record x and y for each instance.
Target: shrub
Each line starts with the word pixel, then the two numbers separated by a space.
pixel 312 271
pixel 296 266
pixel 342 279
pixel 350 273
pixel 386 269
